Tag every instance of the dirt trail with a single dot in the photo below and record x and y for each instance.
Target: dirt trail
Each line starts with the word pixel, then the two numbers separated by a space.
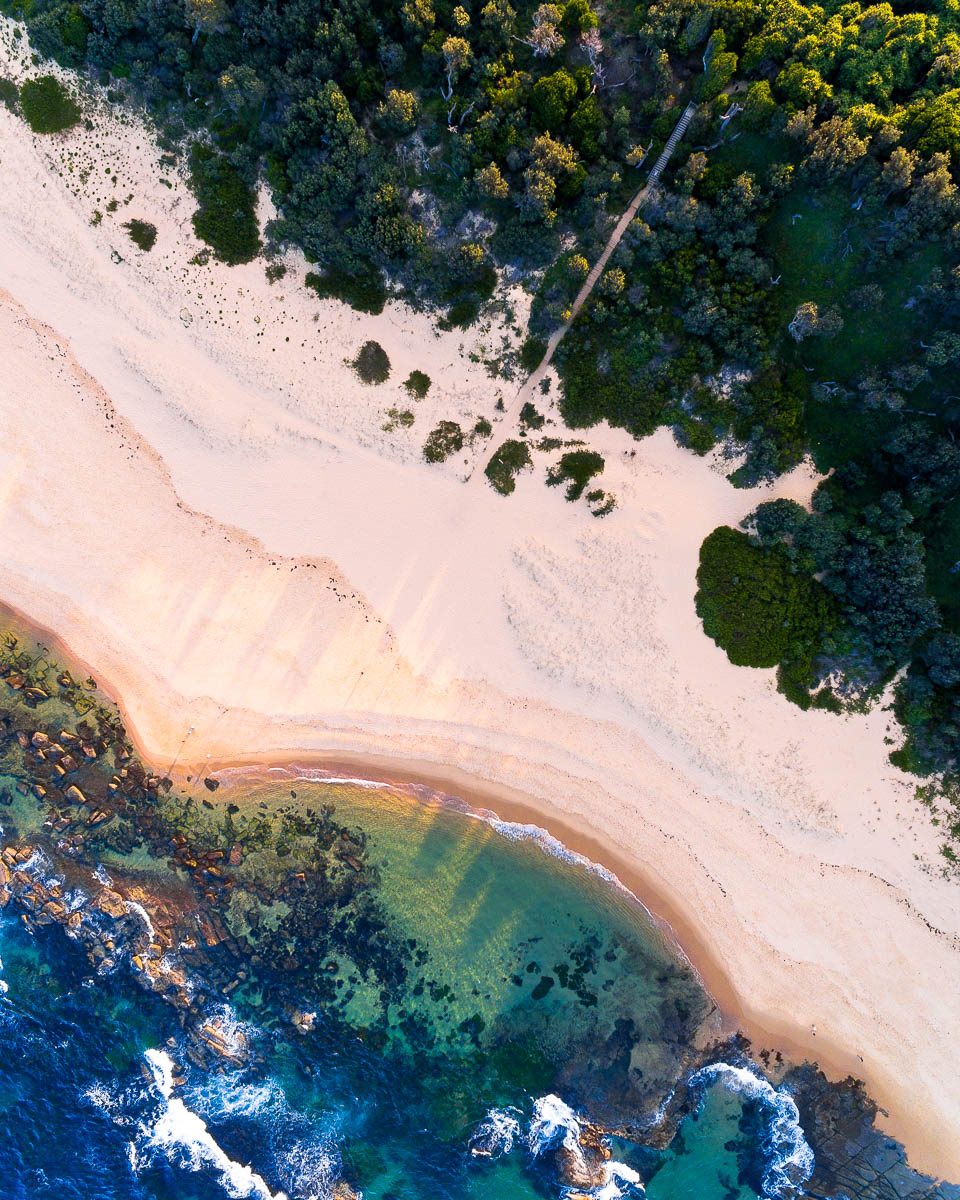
pixel 530 388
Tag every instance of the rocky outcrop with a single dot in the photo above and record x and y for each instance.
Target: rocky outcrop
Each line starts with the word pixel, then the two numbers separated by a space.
pixel 854 1158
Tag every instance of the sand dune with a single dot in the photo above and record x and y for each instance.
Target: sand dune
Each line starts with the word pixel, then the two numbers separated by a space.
pixel 200 498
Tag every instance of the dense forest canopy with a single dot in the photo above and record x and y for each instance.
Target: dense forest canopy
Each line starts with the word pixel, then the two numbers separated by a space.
pixel 793 286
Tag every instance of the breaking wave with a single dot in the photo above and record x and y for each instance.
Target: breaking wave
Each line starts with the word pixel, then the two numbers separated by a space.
pixel 789 1159
pixel 184 1138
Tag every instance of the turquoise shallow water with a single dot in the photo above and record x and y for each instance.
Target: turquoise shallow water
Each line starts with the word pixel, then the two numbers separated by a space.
pixel 494 997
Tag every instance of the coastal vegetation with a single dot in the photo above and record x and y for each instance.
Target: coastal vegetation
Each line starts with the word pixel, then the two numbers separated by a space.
pixel 506 463
pixel 142 233
pixel 445 439
pixel 372 363
pixel 576 468
pixel 47 106
pixel 791 286
pixel 417 384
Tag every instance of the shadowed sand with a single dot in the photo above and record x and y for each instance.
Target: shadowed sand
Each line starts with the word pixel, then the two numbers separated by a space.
pixel 214 519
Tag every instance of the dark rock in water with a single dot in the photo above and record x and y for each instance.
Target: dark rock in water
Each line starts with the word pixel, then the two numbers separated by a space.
pixel 544 986
pixel 211 784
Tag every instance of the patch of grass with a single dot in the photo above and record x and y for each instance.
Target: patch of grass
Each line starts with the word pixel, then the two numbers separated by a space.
pixel 364 292
pixel 142 233
pixel 507 462
pixel 444 440
pixel 398 419
pixel 483 428
pixel 275 271
pixel 372 363
pixel 226 218
pixel 576 468
pixel 47 106
pixel 417 384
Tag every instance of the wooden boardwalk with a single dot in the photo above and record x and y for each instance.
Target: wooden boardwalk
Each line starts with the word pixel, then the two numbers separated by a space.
pixel 530 388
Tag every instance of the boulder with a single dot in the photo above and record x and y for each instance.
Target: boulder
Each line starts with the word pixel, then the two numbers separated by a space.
pixel 110 902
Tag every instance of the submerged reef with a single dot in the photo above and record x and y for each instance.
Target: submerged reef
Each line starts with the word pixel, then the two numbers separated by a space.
pixel 267 908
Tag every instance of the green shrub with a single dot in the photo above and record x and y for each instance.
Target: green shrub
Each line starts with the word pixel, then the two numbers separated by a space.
pixel 756 609
pixel 226 217
pixel 363 291
pixel 142 233
pixel 507 462
pixel 483 428
pixel 443 441
pixel 576 468
pixel 532 352
pixel 398 419
pixel 9 94
pixel 46 106
pixel 417 384
pixel 530 418
pixel 372 363
pixel 462 314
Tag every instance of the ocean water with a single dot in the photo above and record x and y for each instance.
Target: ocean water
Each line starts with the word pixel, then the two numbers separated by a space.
pixel 462 1019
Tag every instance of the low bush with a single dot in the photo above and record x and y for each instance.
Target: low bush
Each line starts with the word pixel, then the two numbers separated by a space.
pixel 142 233
pixel 417 384
pixel 372 363
pixel 47 106
pixel 756 609
pixel 507 462
pixel 575 468
pixel 364 292
pixel 443 441
pixel 226 217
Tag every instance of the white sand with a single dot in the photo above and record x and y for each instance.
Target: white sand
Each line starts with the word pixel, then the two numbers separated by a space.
pixel 214 519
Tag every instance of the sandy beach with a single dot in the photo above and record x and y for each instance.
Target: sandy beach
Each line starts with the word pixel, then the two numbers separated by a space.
pixel 200 498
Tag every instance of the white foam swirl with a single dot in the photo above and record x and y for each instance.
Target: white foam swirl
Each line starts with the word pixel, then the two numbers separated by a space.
pixel 789 1157
pixel 496 1134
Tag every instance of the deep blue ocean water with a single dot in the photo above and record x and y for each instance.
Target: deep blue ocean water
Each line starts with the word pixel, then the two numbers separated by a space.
pixel 98 1100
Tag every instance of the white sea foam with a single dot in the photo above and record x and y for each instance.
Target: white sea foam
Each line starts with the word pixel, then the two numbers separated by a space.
pixel 619 1178
pixel 496 1134
pixel 185 1139
pixel 134 907
pixel 789 1157
pixel 305 1155
pixel 555 1121
pixel 100 1096
pixel 308 1168
pixel 220 1097
pixel 101 875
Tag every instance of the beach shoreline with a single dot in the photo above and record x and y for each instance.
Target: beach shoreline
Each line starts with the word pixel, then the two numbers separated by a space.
pixel 213 516
pixel 422 781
